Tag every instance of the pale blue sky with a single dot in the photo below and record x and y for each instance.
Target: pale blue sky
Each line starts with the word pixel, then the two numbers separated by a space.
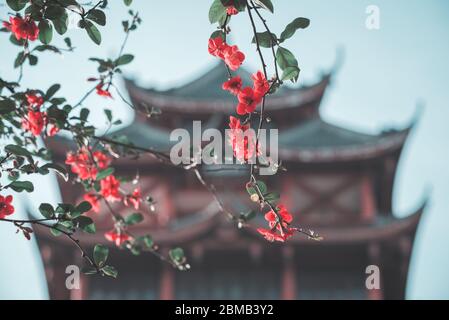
pixel 384 75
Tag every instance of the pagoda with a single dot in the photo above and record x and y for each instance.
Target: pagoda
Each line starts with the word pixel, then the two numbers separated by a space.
pixel 338 182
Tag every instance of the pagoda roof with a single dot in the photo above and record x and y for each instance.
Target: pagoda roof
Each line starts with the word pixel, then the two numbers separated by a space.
pixel 313 141
pixel 319 141
pixel 204 95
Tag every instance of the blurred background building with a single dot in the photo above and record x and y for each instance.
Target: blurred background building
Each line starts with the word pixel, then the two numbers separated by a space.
pixel 386 72
pixel 339 182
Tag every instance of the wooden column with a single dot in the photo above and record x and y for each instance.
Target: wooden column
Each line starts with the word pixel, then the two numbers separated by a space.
pixel 288 289
pixel 167 285
pixel 368 206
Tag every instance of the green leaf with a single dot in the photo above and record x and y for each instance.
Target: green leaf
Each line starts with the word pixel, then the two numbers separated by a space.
pixel 54 12
pixel 17 150
pixel 46 210
pixel 19 59
pixel 177 254
pixel 58 169
pixel 32 59
pixel 217 34
pixel 148 241
pixel 55 232
pixel 217 12
pixel 97 16
pixel 104 173
pixel 266 40
pixel 84 114
pixel 124 59
pixel 251 189
pixel 272 196
pixel 133 218
pixel 7 106
pixel 108 114
pixel 89 270
pixel 110 271
pixel 266 4
pixel 290 73
pixel 127 2
pixel 290 29
pixel 61 23
pixel 93 32
pixel 45 32
pixel 51 91
pixel 285 58
pixel 83 207
pixel 17 5
pixel 86 224
pixel 100 254
pixel 20 186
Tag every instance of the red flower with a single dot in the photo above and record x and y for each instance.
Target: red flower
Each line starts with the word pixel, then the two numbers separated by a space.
pixel 34 100
pixel 232 11
pixel 6 208
pixel 261 85
pixel 85 166
pixel 282 212
pixel 271 235
pixel 233 85
pixel 102 92
pixel 242 142
pixel 110 188
pixel 248 101
pixel 133 199
pixel 280 230
pixel 117 237
pixel 234 123
pixel 22 28
pixel 52 129
pixel 93 200
pixel 82 165
pixel 34 122
pixel 101 159
pixel 217 46
pixel 233 57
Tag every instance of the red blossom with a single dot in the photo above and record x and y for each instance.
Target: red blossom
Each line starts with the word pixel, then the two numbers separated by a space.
pixel 233 57
pixel 117 237
pixel 52 129
pixel 34 100
pixel 133 199
pixel 103 92
pixel 232 11
pixel 233 85
pixel 101 159
pixel 282 212
pixel 261 85
pixel 34 122
pixel 110 188
pixel 241 140
pixel 94 201
pixel 270 235
pixel 279 226
pixel 216 47
pixel 22 28
pixel 85 166
pixel 248 101
pixel 6 207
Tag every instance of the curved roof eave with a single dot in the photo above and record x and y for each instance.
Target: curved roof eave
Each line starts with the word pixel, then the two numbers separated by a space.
pixel 290 98
pixel 381 145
